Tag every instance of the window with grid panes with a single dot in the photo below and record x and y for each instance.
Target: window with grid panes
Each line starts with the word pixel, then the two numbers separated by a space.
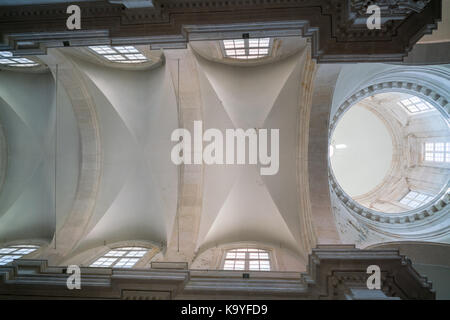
pixel 246 49
pixel 415 199
pixel 125 257
pixel 247 259
pixel 121 54
pixel 415 105
pixel 437 152
pixel 8 59
pixel 14 252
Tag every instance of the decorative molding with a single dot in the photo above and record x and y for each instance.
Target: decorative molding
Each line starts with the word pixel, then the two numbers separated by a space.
pixel 414 223
pixel 337 27
pixel 3 156
pixel 183 240
pixel 69 234
pixel 336 269
pixel 437 210
pixel 389 7
pixel 324 85
pixel 303 179
pixel 333 270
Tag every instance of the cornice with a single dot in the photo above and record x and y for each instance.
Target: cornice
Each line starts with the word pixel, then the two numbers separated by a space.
pixel 430 221
pixel 332 271
pixel 337 27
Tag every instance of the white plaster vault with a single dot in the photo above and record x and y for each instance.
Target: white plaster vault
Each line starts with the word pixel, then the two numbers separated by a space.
pixel 111 182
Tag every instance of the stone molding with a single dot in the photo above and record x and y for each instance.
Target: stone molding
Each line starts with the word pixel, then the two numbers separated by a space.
pixel 322 212
pixel 333 270
pixel 337 27
pixel 398 277
pixel 74 227
pixel 415 221
pixel 183 240
pixel 303 178
pixel 3 157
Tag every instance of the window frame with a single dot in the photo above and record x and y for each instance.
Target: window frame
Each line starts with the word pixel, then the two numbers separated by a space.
pixel 13 252
pixel 118 260
pixel 408 103
pixel 120 54
pixel 414 199
pixel 7 59
pixel 247 49
pixel 247 259
pixel 445 152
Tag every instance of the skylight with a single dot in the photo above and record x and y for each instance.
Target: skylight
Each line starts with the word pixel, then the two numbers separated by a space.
pixel 414 199
pixel 415 105
pixel 7 59
pixel 437 152
pixel 247 259
pixel 14 252
pixel 125 257
pixel 121 54
pixel 247 48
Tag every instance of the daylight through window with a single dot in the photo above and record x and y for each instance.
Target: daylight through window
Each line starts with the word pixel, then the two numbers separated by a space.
pixel 14 252
pixel 7 59
pixel 414 199
pixel 437 152
pixel 247 48
pixel 247 259
pixel 125 257
pixel 415 105
pixel 122 54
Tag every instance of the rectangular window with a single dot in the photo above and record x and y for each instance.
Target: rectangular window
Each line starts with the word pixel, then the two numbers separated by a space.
pixel 14 252
pixel 121 54
pixel 125 257
pixel 247 48
pixel 15 61
pixel 437 152
pixel 247 259
pixel 414 199
pixel 415 105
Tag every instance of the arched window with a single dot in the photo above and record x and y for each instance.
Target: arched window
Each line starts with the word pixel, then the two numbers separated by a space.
pixel 121 54
pixel 7 59
pixel 247 48
pixel 247 259
pixel 125 257
pixel 13 252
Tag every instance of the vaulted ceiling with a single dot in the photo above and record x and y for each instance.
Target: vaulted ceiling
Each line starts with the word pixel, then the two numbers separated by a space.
pixel 136 196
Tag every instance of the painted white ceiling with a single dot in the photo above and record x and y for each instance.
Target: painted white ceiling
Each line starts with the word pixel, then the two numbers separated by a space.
pixel 138 190
pixel 238 203
pixel 27 198
pixel 139 186
pixel 367 158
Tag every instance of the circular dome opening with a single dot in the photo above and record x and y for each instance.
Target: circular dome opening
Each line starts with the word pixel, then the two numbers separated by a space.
pixel 390 152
